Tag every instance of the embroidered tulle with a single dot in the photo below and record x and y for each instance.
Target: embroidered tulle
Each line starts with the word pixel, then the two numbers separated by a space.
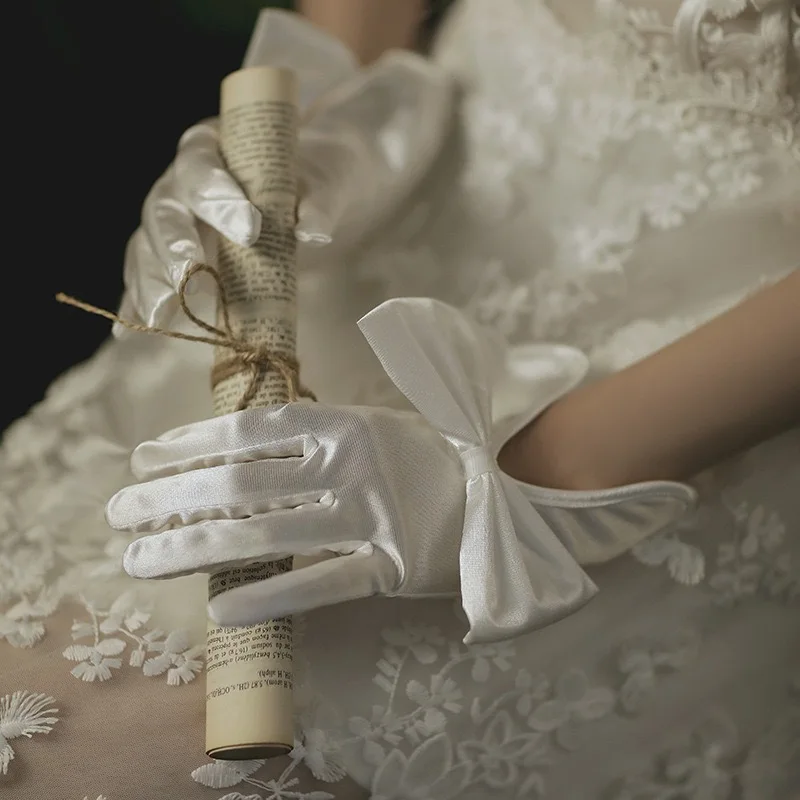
pixel 612 188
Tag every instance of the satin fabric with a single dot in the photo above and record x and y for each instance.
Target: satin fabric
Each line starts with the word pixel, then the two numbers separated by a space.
pixel 515 574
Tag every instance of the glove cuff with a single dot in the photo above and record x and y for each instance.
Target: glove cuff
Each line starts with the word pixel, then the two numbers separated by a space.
pixel 594 525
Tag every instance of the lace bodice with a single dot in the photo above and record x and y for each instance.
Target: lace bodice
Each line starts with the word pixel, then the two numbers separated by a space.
pixel 620 162
pixel 615 177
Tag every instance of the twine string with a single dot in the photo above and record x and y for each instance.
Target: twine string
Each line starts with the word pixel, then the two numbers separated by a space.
pixel 256 359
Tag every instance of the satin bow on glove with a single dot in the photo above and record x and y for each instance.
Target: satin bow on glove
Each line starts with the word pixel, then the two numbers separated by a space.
pixel 414 505
pixel 366 138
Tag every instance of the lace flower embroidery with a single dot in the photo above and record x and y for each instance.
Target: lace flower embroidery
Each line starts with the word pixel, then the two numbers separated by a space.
pixel 699 766
pixel 709 764
pixel 171 653
pixel 684 562
pixel 23 713
pixel 513 733
pixel 430 770
pixel 643 661
pixel 754 559
pixel 227 774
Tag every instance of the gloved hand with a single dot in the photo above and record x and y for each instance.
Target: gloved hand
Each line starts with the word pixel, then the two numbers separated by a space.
pixel 411 505
pixel 366 138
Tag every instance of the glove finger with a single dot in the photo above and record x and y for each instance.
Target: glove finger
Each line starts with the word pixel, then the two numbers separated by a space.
pixel 326 583
pixel 314 226
pixel 290 433
pixel 327 163
pixel 150 293
pixel 216 544
pixel 209 191
pixel 231 491
pixel 171 229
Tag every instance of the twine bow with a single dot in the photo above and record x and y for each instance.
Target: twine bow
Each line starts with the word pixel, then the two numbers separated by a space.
pixel 257 359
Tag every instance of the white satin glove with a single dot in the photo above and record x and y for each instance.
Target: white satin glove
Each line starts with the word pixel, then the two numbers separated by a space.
pixel 366 138
pixel 411 504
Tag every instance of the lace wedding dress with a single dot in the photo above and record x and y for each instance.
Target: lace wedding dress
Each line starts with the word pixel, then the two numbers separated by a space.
pixel 616 176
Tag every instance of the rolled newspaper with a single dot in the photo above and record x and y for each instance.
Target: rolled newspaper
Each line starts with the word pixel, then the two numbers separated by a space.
pixel 249 710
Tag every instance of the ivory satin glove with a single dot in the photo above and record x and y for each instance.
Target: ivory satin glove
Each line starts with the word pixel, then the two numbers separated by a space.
pixel 366 137
pixel 410 504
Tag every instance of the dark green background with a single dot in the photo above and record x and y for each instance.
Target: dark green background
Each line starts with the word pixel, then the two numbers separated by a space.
pixel 110 87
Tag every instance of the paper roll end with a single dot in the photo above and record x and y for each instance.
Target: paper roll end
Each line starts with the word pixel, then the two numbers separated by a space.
pixel 248 752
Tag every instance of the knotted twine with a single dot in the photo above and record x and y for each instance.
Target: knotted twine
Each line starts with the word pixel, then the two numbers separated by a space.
pixel 257 359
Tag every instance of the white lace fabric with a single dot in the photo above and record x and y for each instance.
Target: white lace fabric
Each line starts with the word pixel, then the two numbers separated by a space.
pixel 611 154
pixel 610 188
